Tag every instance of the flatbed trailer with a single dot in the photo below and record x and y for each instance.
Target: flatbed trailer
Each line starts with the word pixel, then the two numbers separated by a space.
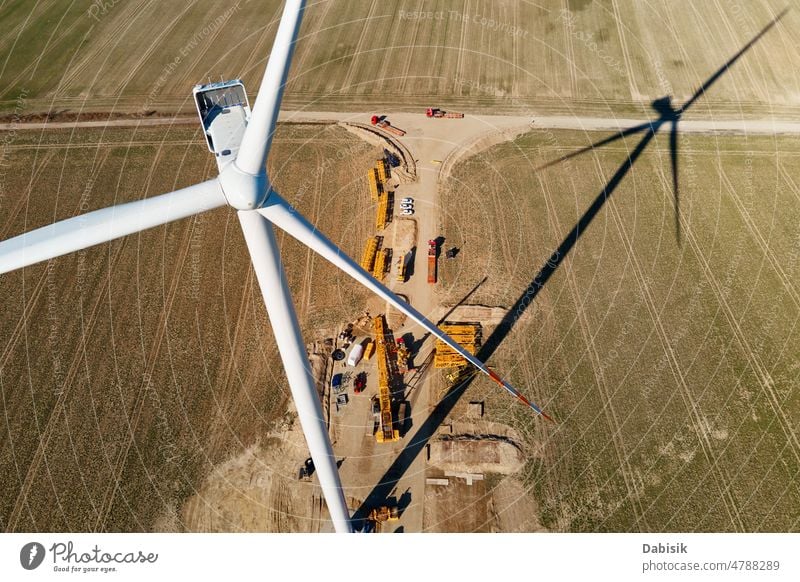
pixel 431 261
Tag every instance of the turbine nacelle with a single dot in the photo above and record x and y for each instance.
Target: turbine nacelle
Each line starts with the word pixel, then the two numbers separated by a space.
pixel 242 190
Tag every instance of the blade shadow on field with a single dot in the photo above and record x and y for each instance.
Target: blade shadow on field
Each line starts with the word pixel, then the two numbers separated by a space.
pixel 666 114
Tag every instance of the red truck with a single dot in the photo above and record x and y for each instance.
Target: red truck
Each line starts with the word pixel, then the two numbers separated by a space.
pixel 431 261
pixel 436 112
pixel 384 124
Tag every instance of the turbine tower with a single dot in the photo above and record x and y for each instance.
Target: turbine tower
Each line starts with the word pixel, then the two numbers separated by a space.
pixel 241 140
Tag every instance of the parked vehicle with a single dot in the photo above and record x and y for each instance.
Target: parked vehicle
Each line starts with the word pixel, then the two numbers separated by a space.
pixel 406 205
pixel 360 383
pixel 407 212
pixel 407 200
pixel 336 381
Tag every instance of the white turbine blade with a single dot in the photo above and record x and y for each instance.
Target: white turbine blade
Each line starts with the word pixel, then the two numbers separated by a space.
pixel 258 136
pixel 265 255
pixel 280 213
pixel 100 226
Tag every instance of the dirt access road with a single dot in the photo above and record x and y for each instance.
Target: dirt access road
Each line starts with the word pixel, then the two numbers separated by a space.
pixel 763 126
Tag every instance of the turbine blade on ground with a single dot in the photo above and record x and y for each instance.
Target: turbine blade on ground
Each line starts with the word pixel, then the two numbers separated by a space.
pixel 282 215
pixel 265 254
pixel 257 137
pixel 724 68
pixel 100 226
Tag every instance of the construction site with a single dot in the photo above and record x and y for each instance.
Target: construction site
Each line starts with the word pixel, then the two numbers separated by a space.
pixel 384 379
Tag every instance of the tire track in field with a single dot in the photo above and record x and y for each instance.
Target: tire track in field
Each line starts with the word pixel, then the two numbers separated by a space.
pixel 142 398
pixel 747 65
pixel 16 31
pixel 759 240
pixel 113 36
pixel 570 50
pixel 145 55
pixel 19 30
pixel 365 30
pixel 408 57
pixel 308 272
pixel 762 374
pixel 60 406
pixel 723 480
pixel 243 317
pixel 52 34
pixel 608 410
pixel 300 56
pixel 22 200
pixel 461 45
pixel 502 235
pixel 28 309
pixel 634 92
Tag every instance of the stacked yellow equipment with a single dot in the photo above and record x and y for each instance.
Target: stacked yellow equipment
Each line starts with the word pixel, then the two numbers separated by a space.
pixel 380 168
pixel 375 184
pixel 387 432
pixel 381 262
pixel 370 251
pixel 466 334
pixel 382 215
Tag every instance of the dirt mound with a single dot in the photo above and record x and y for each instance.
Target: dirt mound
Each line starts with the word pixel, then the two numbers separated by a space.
pixel 477 454
pixel 484 314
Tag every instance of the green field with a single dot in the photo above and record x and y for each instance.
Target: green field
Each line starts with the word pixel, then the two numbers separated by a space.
pixel 480 55
pixel 672 369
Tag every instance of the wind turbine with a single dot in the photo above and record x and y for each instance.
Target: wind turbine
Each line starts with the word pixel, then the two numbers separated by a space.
pixel 241 141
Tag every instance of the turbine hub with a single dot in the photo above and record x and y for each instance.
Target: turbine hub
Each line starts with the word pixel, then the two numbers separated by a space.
pixel 243 191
